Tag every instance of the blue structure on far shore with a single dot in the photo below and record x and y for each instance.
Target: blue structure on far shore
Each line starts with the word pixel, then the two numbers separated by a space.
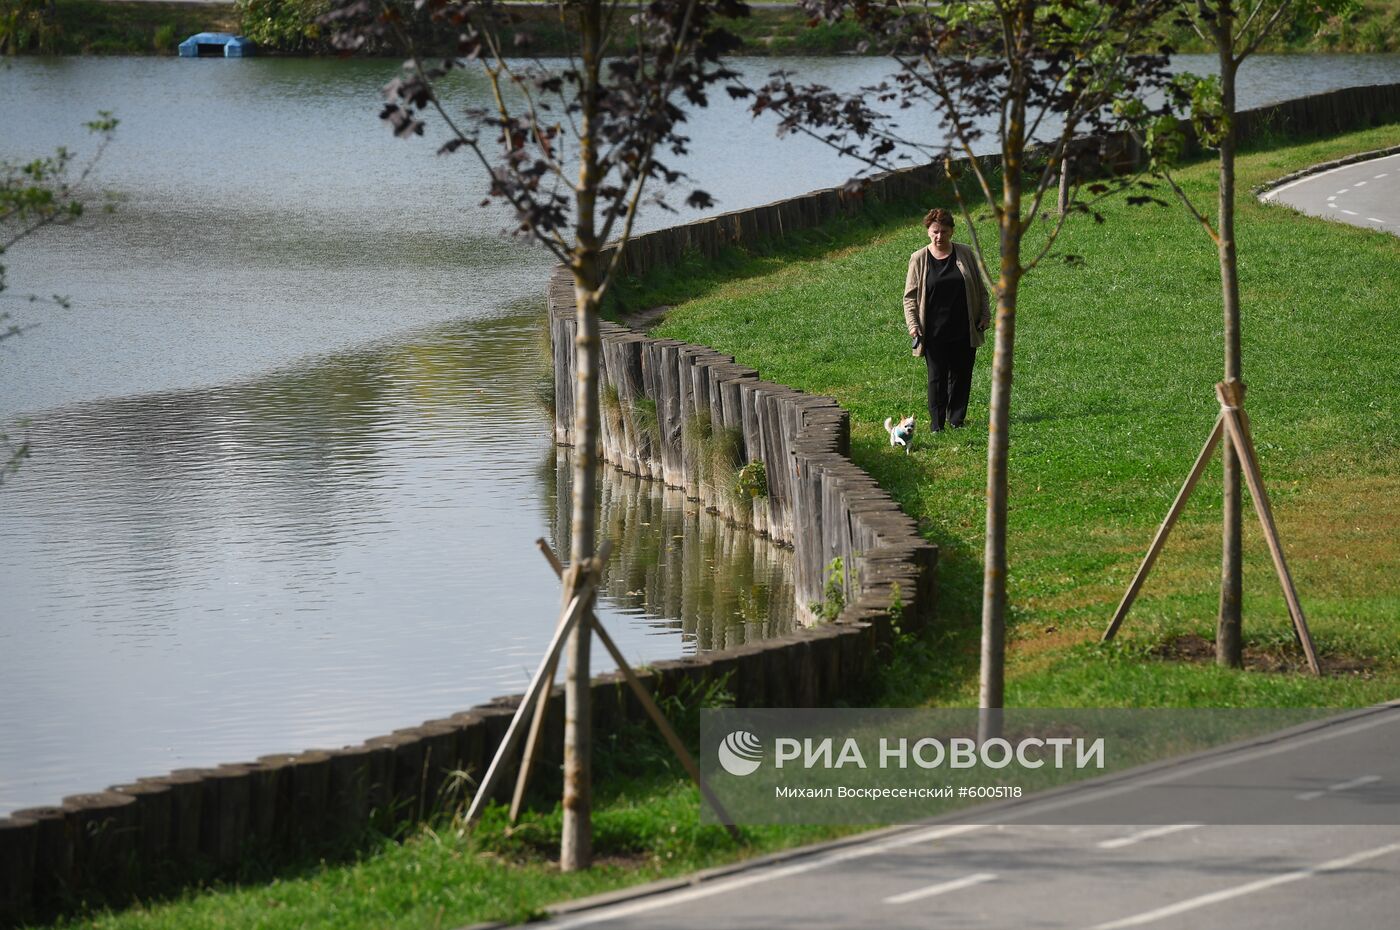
pixel 215 45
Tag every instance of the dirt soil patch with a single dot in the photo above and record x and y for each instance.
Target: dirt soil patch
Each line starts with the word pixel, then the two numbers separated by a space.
pixel 1198 649
pixel 648 319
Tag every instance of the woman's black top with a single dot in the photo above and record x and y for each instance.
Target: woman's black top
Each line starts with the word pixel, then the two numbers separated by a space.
pixel 945 302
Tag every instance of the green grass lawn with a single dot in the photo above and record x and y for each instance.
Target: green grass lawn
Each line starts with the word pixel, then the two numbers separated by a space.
pixel 1112 400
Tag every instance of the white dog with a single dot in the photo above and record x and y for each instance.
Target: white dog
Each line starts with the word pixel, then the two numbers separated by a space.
pixel 901 433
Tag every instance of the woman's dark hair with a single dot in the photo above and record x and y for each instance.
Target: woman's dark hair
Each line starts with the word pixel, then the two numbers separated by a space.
pixel 940 216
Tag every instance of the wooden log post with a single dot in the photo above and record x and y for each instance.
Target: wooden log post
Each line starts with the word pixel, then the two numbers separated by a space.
pixel 439 760
pixel 402 775
pixel 186 811
pixel 19 839
pixel 379 785
pixel 311 773
pixel 233 788
pixel 53 856
pixel 204 802
pixel 154 818
pixel 102 826
pixel 348 804
pixel 271 789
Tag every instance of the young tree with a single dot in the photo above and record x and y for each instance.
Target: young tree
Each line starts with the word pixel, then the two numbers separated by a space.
pixel 1032 76
pixel 1236 30
pixel 570 148
pixel 35 194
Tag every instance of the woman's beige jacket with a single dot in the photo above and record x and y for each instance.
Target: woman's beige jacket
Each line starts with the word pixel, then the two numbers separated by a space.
pixel 978 313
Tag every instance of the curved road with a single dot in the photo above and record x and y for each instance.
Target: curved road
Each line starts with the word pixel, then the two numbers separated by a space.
pixel 1365 194
pixel 1001 874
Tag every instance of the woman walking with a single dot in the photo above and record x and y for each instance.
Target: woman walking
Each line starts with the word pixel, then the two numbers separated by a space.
pixel 946 313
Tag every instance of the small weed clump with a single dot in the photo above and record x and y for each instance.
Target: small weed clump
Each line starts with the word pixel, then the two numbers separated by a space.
pixel 833 591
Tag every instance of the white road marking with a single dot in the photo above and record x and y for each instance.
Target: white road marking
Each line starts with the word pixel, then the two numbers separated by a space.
pixel 1359 184
pixel 1291 744
pixel 1381 175
pixel 1155 832
pixel 1190 904
pixel 1340 786
pixel 1322 174
pixel 1351 213
pixel 1344 190
pixel 941 888
pixel 722 886
pixel 1374 220
pixel 1333 197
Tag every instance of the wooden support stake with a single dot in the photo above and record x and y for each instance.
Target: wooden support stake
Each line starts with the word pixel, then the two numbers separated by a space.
pixel 570 617
pixel 648 703
pixel 532 741
pixel 1285 580
pixel 553 559
pixel 541 709
pixel 1239 435
pixel 664 725
pixel 1160 539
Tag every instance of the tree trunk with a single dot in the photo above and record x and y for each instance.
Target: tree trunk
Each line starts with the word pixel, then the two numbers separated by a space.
pixel 1062 201
pixel 1229 632
pixel 992 685
pixel 576 842
pixel 993 678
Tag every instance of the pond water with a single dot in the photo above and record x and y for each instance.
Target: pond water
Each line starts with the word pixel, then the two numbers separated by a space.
pixel 289 465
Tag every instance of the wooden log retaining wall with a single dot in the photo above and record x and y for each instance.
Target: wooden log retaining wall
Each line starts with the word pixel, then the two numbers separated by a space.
pixel 195 822
pixel 818 502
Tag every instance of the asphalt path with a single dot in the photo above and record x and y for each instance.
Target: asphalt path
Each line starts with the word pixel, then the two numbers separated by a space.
pixel 1366 194
pixel 1001 873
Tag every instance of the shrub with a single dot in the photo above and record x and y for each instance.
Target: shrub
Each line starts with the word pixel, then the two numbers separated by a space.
pixel 165 38
pixel 283 25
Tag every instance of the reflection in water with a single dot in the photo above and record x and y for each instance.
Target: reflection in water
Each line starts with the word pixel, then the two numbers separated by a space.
pixel 318 556
pixel 679 569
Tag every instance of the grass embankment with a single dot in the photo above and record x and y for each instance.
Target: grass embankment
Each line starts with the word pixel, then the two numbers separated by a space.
pixel 1112 401
pixel 128 27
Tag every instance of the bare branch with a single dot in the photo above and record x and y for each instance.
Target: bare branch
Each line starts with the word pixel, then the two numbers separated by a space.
pixel 648 143
pixel 550 240
pixel 967 219
pixel 941 88
pixel 1263 34
pixel 1258 5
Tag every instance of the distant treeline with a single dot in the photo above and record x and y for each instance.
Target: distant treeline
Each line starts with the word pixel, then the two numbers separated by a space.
pixel 288 27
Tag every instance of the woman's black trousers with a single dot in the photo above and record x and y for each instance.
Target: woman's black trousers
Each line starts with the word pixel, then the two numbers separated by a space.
pixel 949 382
